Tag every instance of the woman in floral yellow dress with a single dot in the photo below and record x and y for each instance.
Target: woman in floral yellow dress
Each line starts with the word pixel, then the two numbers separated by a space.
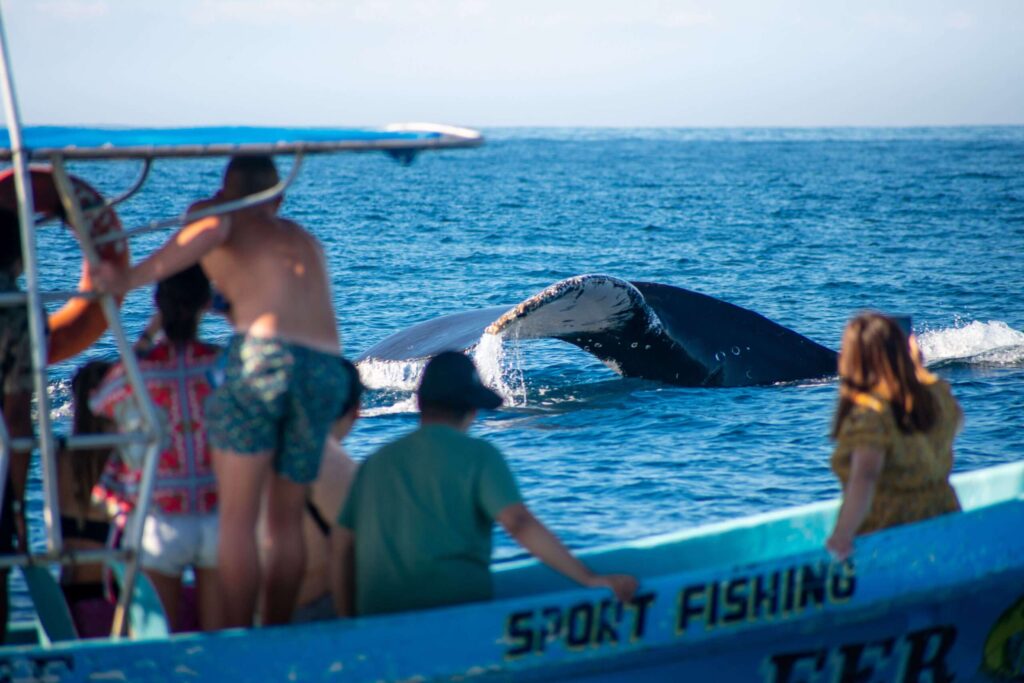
pixel 894 431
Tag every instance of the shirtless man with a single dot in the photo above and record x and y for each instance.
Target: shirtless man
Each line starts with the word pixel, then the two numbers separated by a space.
pixel 283 386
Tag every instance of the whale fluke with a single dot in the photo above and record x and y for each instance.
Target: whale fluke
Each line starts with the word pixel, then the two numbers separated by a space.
pixel 639 329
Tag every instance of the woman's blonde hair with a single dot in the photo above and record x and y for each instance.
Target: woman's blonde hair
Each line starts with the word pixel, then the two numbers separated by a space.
pixel 875 360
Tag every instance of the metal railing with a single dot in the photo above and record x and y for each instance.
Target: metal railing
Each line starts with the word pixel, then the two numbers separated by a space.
pixel 33 299
pixel 80 219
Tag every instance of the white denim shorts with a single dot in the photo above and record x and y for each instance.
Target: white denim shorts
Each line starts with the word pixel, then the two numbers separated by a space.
pixel 170 543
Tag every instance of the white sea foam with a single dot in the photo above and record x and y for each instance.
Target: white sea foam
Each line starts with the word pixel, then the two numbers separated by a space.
pixel 405 405
pixel 400 376
pixel 500 364
pixel 403 375
pixel 59 396
pixel 992 342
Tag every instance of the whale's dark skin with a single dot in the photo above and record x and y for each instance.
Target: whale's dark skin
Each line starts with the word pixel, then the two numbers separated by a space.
pixel 640 329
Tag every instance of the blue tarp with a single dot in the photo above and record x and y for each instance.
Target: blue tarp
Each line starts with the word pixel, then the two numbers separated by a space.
pixel 95 143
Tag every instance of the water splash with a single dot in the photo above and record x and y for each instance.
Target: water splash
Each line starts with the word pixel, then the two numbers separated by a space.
pixel 499 364
pixel 499 361
pixel 399 375
pixel 992 342
pixel 59 397
pixel 400 407
pixel 390 377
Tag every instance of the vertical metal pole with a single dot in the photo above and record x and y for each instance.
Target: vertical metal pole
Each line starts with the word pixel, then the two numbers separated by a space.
pixel 36 319
pixel 150 417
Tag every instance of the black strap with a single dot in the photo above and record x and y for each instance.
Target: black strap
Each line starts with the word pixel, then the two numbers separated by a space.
pixel 88 529
pixel 318 518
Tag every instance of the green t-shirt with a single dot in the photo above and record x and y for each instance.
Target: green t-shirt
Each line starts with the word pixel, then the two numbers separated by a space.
pixel 422 510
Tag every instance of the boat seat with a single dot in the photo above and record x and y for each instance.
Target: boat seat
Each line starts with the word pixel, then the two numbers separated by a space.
pixel 51 608
pixel 146 617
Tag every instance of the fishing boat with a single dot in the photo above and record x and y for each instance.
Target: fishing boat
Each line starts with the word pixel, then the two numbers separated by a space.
pixel 753 599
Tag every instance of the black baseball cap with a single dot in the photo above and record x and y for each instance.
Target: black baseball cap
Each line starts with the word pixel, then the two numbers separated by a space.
pixel 451 380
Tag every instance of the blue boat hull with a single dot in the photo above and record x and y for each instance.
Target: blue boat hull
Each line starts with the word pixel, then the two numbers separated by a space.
pixel 751 600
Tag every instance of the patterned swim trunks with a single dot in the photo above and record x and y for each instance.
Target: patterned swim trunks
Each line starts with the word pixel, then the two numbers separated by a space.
pixel 277 396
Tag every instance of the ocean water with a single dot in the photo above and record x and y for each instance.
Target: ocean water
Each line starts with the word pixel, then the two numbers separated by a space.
pixel 805 226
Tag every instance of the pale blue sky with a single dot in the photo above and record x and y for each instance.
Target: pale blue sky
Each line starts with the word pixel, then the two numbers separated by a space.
pixel 518 62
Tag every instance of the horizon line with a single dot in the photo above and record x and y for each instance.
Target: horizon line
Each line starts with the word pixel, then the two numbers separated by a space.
pixel 609 126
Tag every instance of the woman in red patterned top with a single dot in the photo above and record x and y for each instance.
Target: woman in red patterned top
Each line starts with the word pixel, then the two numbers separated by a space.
pixel 181 528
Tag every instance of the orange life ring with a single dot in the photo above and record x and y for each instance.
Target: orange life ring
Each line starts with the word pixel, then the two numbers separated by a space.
pixel 79 322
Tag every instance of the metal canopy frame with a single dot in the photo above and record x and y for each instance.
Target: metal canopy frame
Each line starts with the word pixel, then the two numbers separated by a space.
pixel 440 137
pixel 79 217
pixel 256 199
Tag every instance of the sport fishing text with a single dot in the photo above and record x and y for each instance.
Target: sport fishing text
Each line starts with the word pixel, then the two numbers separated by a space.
pixel 778 594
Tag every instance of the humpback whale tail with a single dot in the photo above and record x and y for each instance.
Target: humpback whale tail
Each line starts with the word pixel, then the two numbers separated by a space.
pixel 639 329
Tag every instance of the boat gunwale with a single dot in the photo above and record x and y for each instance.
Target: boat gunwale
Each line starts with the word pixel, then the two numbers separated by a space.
pixel 963 482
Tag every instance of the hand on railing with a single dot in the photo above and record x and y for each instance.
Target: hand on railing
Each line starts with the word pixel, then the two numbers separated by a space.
pixel 622 585
pixel 108 278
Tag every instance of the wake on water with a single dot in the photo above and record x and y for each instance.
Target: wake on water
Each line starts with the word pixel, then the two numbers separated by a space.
pixel 992 343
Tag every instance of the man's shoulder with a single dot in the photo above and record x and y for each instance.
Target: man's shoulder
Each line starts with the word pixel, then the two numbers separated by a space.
pixel 392 449
pixel 298 233
pixel 431 439
pixel 289 228
pixel 480 444
pixel 465 450
pixel 288 222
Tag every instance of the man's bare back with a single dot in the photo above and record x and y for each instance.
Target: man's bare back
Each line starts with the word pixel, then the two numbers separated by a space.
pixel 273 273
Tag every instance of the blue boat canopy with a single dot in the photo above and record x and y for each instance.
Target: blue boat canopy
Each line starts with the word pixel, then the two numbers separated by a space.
pixel 45 142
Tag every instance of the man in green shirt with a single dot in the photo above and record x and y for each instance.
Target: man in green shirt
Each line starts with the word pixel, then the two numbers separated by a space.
pixel 422 508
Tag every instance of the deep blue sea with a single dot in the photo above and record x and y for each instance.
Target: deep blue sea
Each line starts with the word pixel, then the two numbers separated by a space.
pixel 805 226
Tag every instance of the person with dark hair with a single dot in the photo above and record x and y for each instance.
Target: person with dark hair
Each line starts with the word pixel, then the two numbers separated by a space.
pixel 316 601
pixel 421 510
pixel 85 524
pixel 283 384
pixel 181 529
pixel 15 400
pixel 894 430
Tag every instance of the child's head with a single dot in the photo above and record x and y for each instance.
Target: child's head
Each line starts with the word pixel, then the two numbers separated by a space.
pixel 182 298
pixel 350 406
pixel 86 379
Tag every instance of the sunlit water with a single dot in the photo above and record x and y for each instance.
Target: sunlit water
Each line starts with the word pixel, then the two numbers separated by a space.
pixel 803 226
